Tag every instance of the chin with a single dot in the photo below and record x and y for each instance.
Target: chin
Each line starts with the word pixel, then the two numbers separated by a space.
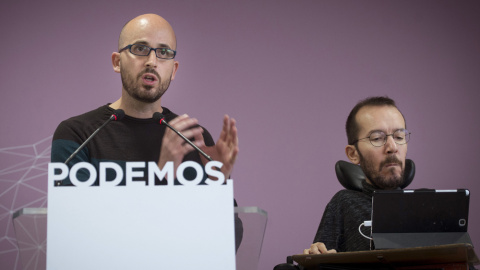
pixel 395 182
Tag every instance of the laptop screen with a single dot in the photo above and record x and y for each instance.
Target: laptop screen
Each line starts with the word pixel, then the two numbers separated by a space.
pixel 420 211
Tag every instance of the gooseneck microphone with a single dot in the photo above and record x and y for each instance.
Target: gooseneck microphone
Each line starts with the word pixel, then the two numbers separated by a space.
pixel 116 116
pixel 161 119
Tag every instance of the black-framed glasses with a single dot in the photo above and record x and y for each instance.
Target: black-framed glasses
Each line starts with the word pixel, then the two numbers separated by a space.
pixel 379 138
pixel 144 50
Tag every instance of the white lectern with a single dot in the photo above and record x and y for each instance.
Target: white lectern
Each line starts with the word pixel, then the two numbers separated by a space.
pixel 31 231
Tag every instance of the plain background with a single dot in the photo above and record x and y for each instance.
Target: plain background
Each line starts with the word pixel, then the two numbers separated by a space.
pixel 288 71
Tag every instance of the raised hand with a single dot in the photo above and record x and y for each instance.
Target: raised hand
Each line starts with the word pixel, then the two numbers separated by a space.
pixel 226 148
pixel 174 148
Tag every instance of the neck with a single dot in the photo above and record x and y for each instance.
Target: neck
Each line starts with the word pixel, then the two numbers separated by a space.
pixel 372 184
pixel 368 181
pixel 137 109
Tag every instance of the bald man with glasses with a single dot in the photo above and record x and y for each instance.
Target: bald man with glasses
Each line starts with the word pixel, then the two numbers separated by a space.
pixel 145 60
pixel 146 63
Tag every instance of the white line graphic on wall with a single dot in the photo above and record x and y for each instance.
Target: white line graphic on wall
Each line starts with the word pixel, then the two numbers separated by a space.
pixel 23 184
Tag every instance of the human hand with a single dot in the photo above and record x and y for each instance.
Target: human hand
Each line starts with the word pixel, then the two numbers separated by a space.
pixel 174 148
pixel 318 248
pixel 226 148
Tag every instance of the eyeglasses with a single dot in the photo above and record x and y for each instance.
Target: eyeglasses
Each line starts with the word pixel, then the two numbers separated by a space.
pixel 379 138
pixel 143 50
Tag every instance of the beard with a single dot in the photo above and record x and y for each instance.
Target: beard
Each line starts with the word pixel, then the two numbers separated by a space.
pixel 150 94
pixel 378 180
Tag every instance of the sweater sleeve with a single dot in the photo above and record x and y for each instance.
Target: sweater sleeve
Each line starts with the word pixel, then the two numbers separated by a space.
pixel 63 145
pixel 339 226
pixel 330 230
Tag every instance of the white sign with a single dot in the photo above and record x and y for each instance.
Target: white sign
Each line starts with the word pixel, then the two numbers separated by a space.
pixel 140 226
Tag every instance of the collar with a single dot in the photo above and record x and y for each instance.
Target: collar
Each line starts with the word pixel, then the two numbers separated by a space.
pixel 367 188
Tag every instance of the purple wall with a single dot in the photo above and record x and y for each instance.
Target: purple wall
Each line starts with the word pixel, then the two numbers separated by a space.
pixel 288 71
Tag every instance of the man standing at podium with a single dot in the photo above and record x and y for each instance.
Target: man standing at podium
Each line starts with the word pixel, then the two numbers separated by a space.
pixel 145 60
pixel 146 63
pixel 377 141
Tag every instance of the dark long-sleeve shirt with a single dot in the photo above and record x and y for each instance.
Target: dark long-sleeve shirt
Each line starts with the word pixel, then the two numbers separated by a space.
pixel 342 216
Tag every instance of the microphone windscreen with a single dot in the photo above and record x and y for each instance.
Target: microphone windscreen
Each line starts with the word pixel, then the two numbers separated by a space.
pixel 119 114
pixel 158 117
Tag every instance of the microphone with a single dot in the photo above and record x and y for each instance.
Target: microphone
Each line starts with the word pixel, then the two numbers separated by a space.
pixel 116 116
pixel 160 118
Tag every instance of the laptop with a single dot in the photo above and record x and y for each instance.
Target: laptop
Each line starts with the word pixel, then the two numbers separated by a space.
pixel 418 218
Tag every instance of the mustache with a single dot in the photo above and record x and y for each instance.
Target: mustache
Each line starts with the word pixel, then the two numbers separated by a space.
pixel 389 160
pixel 149 70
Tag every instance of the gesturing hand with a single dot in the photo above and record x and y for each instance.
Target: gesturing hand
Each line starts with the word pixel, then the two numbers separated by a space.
pixel 174 148
pixel 226 149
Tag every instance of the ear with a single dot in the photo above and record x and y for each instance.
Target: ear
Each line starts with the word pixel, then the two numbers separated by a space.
pixel 174 71
pixel 116 62
pixel 352 154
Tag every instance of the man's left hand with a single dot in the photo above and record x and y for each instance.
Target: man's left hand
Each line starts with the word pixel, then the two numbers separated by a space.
pixel 226 149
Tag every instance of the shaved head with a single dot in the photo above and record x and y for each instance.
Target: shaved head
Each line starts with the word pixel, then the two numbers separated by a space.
pixel 145 78
pixel 146 22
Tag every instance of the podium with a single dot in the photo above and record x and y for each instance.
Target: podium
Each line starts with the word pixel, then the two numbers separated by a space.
pixel 452 256
pixel 30 226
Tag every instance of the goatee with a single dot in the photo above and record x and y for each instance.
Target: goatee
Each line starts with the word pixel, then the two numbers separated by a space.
pixel 378 180
pixel 150 94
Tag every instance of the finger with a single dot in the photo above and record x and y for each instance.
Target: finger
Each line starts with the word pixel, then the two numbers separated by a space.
pixel 187 148
pixel 199 136
pixel 318 247
pixel 234 132
pixel 306 251
pixel 314 249
pixel 198 144
pixel 332 251
pixel 193 134
pixel 178 119
pixel 229 134
pixel 173 140
pixel 234 155
pixel 322 248
pixel 186 124
pixel 183 122
pixel 225 128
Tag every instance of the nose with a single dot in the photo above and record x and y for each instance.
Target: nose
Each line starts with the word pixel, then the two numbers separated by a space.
pixel 390 145
pixel 151 59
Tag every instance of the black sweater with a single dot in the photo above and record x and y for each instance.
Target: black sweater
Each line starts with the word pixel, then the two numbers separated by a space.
pixel 342 216
pixel 130 139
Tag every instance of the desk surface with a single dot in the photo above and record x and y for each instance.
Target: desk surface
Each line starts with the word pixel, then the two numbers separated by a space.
pixel 402 257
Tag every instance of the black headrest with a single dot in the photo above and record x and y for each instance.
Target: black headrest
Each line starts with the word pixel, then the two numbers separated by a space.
pixel 351 175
